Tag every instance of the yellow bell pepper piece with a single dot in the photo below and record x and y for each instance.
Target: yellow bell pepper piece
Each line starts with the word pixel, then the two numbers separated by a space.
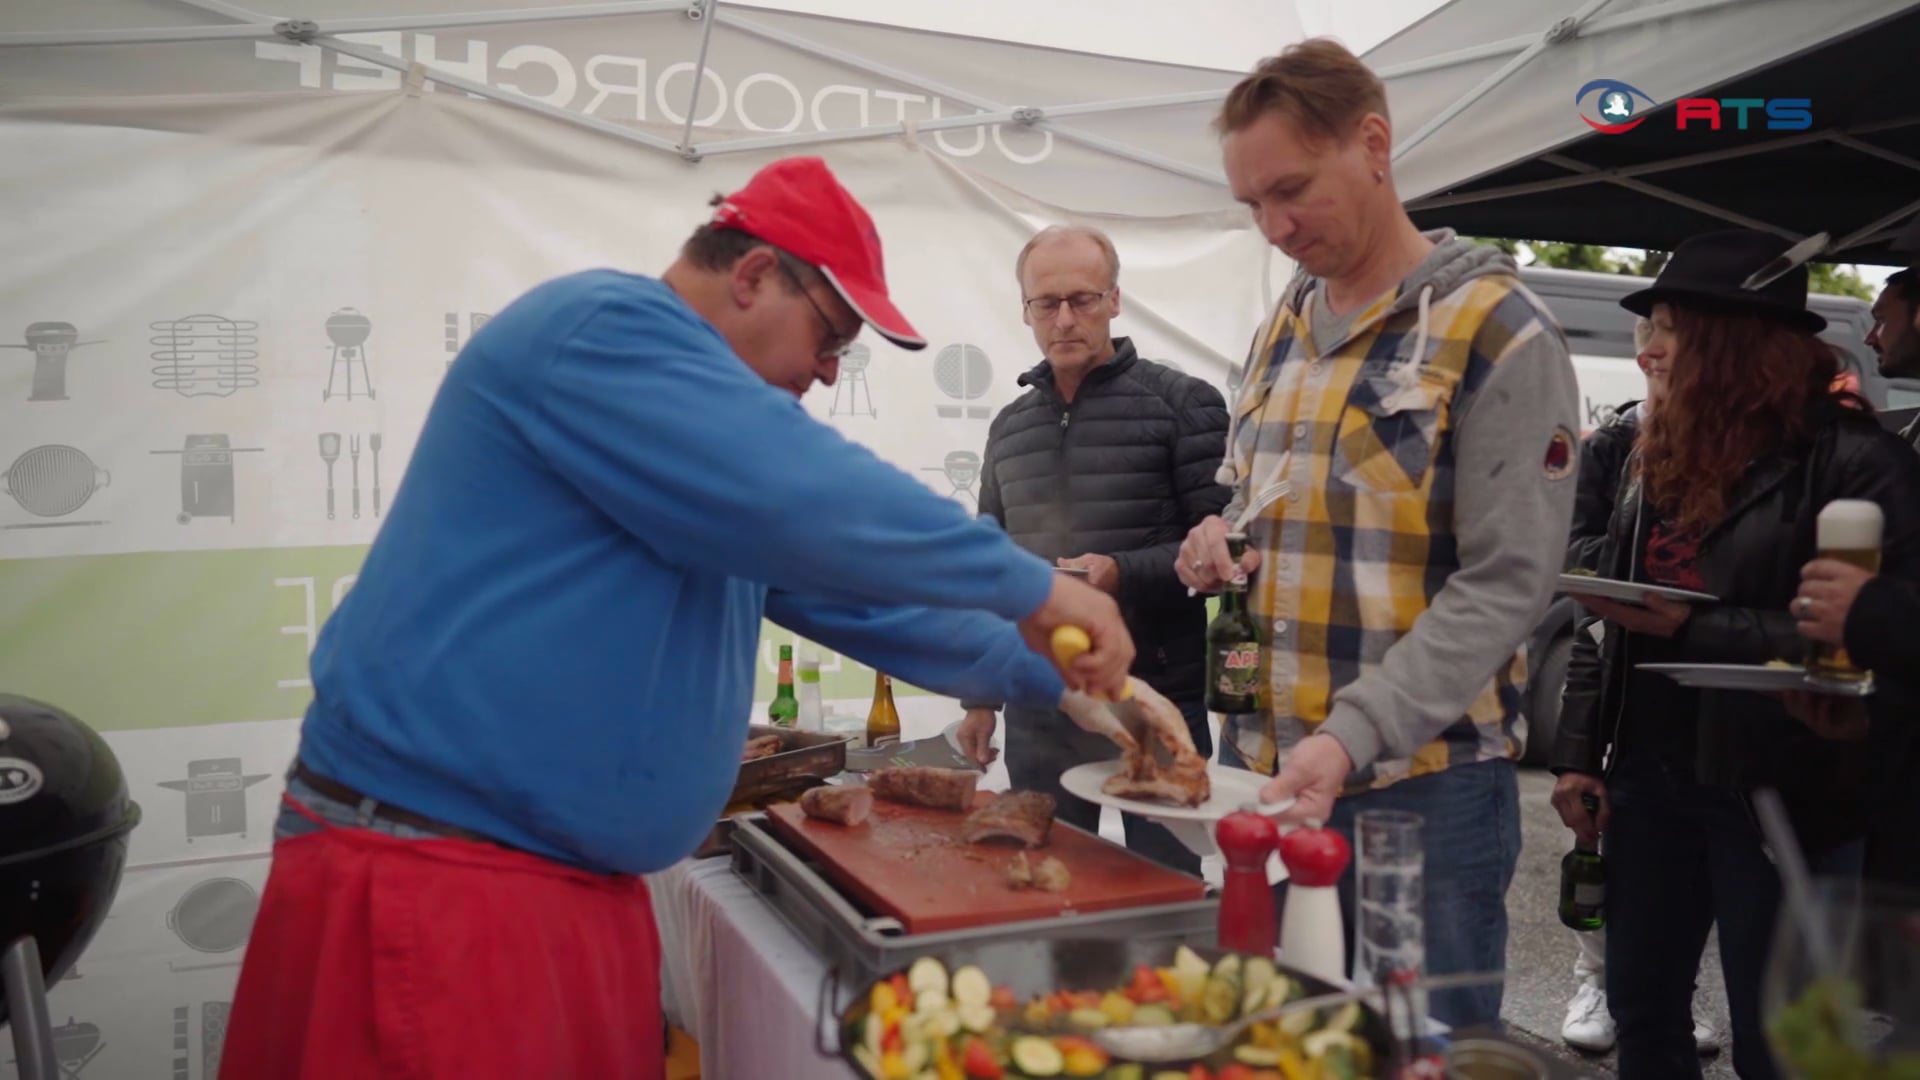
pixel 1292 1067
pixel 884 1000
pixel 893 1066
pixel 943 1063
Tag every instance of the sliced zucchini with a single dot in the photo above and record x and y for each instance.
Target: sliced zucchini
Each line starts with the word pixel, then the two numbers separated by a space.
pixel 1346 1018
pixel 870 1037
pixel 1169 1074
pixel 931 1001
pixel 1088 1019
pixel 1327 1041
pixel 1218 1000
pixel 1298 1024
pixel 1228 967
pixel 917 1055
pixel 1035 1056
pixel 1147 1015
pixel 1185 960
pixel 977 1018
pixel 1258 970
pixel 927 975
pixel 1279 992
pixel 1128 1071
pixel 942 1024
pixel 870 1061
pixel 970 986
pixel 1257 1056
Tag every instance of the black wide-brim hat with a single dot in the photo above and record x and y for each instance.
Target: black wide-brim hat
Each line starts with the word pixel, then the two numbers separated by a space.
pixel 1709 271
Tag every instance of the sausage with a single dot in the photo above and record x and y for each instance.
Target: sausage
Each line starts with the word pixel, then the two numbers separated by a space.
pixel 840 805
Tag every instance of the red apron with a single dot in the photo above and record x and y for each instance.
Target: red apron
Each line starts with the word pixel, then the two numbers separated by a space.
pixel 375 956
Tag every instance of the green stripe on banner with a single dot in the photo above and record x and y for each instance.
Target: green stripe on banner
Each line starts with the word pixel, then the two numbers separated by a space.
pixel 183 638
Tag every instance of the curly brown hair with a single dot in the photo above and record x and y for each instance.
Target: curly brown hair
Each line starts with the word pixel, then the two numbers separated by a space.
pixel 1742 387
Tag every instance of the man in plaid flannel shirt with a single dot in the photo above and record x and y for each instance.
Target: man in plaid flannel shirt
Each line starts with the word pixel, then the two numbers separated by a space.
pixel 1407 419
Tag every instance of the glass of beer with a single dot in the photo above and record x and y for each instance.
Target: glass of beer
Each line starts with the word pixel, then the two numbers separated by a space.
pixel 1849 531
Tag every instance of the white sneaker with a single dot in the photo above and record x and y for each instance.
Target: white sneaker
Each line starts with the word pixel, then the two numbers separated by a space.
pixel 1589 1025
pixel 1706 1037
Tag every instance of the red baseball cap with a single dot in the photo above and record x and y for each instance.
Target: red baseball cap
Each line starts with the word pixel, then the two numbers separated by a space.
pixel 796 205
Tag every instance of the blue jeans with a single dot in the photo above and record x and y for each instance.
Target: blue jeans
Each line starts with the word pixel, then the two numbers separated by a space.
pixel 1681 859
pixel 292 823
pixel 1042 744
pixel 1472 841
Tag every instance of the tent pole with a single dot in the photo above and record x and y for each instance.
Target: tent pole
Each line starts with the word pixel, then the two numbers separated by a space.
pixel 950 123
pixel 504 97
pixel 1564 30
pixel 709 10
pixel 1674 197
pixel 135 36
pixel 974 101
pixel 499 18
pixel 1867 231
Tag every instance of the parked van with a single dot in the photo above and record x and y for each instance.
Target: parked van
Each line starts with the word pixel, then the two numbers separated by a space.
pixel 1600 337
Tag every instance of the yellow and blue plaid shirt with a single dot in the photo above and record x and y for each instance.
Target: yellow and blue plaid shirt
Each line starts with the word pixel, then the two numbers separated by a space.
pixel 1362 431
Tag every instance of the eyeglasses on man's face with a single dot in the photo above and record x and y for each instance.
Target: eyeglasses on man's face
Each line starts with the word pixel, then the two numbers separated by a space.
pixel 1043 307
pixel 833 346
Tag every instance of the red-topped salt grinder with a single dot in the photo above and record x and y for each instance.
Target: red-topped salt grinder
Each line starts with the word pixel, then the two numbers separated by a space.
pixel 1247 839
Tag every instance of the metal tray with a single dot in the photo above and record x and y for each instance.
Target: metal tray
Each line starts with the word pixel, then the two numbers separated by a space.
pixel 803 756
pixel 859 947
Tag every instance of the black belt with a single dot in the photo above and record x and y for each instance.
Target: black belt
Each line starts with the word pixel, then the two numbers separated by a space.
pixel 384 811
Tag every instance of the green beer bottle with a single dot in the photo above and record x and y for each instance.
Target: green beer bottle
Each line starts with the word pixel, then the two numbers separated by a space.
pixel 785 708
pixel 1233 646
pixel 1583 882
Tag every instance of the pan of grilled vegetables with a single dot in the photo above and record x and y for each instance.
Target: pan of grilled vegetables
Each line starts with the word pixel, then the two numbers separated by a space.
pixel 1039 1009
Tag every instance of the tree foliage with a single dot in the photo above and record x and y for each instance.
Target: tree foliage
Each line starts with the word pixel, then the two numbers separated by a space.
pixel 1826 277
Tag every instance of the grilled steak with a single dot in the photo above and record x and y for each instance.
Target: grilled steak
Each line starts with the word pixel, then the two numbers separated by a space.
pixel 1023 817
pixel 760 746
pixel 840 805
pixel 942 789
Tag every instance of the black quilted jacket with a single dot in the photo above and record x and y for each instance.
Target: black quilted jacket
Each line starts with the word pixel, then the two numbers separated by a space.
pixel 1125 471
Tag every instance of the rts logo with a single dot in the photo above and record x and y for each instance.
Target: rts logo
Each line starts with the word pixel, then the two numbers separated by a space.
pixel 1614 104
pixel 1615 110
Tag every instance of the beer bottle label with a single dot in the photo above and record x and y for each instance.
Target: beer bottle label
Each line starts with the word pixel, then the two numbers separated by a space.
pixel 1239 674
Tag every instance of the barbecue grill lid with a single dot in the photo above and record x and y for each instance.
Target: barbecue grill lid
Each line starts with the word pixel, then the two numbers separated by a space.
pixel 61 787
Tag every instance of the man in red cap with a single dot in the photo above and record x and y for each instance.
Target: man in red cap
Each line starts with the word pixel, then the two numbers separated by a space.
pixel 539 687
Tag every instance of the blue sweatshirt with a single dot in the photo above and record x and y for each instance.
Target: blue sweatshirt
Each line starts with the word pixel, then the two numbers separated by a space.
pixel 552 640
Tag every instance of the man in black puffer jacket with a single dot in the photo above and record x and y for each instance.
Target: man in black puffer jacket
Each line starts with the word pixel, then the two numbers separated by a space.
pixel 1103 465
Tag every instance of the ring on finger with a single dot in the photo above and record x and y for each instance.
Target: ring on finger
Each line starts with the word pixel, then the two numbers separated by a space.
pixel 1198 564
pixel 1804 606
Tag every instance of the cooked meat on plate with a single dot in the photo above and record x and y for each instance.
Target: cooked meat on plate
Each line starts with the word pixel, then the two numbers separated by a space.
pixel 1167 767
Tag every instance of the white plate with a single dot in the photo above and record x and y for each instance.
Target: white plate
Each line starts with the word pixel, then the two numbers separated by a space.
pixel 1753 677
pixel 1231 789
pixel 1627 592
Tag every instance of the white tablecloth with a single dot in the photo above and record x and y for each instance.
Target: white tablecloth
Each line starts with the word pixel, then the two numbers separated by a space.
pixel 736 978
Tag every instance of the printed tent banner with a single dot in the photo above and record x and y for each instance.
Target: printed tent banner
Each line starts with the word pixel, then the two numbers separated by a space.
pixel 237 269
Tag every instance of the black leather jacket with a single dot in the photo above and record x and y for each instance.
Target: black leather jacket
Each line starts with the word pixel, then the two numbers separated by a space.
pixel 1752 561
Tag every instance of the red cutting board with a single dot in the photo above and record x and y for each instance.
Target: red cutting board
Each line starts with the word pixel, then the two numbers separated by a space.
pixel 909 862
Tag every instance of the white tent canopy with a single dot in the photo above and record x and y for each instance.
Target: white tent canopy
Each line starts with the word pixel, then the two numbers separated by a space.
pixel 206 202
pixel 197 191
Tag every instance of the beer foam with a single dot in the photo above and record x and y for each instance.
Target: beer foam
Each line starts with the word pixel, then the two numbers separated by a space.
pixel 1851 525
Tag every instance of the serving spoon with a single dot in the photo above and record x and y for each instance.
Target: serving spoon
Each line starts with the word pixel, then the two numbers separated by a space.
pixel 1158 1044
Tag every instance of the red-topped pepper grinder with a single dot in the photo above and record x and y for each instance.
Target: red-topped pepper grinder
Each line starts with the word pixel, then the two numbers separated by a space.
pixel 1313 935
pixel 1247 925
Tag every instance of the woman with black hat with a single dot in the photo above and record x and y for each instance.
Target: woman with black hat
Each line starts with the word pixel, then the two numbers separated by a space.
pixel 1723 486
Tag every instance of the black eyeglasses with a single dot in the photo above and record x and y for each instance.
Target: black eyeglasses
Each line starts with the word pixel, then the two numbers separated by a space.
pixel 1042 307
pixel 834 347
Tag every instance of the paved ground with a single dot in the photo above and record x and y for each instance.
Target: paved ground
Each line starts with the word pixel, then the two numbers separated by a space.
pixel 1540 951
